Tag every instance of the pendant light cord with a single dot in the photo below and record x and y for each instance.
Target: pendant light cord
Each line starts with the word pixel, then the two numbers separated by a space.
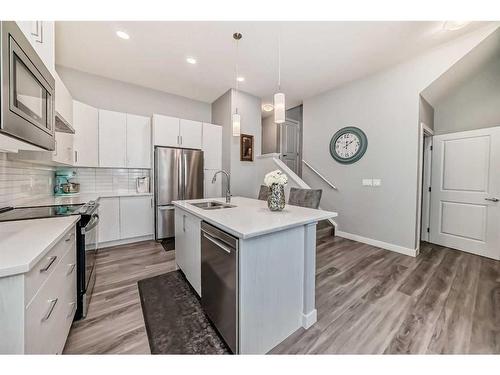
pixel 236 76
pixel 279 61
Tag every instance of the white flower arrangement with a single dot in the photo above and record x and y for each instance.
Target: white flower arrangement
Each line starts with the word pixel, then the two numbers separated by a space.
pixel 275 177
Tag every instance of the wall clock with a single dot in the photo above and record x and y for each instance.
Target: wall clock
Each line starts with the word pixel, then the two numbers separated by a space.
pixel 348 145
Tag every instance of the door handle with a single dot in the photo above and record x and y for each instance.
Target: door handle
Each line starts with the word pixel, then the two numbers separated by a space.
pixel 492 199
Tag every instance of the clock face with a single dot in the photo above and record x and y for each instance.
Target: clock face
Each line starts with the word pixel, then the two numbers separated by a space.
pixel 348 145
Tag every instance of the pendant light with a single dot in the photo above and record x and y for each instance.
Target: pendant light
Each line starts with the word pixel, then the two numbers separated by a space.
pixel 279 97
pixel 236 119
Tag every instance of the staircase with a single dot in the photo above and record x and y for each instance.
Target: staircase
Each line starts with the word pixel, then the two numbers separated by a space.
pixel 324 231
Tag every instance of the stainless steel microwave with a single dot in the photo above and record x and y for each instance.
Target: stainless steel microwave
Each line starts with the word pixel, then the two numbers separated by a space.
pixel 27 90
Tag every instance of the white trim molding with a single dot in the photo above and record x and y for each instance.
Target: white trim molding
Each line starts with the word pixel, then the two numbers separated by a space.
pixel 377 243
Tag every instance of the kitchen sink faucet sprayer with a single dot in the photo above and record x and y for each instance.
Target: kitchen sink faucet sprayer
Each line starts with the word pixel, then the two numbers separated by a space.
pixel 228 190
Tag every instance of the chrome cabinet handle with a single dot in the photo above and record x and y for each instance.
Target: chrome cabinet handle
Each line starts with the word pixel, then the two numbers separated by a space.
pixel 73 307
pixel 71 268
pixel 69 237
pixel 53 303
pixel 492 199
pixel 183 223
pixel 51 261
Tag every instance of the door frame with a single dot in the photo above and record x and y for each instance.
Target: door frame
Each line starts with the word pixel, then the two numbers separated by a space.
pixel 299 155
pixel 424 175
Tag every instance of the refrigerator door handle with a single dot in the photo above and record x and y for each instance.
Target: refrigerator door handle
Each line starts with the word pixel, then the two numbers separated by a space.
pixel 180 180
pixel 184 163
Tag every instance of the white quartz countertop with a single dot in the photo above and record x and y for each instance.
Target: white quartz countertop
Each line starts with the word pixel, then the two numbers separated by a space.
pixel 251 217
pixel 23 243
pixel 77 199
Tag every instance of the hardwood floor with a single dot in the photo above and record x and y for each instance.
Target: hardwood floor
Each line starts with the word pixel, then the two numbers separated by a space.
pixel 114 323
pixel 369 300
pixel 372 301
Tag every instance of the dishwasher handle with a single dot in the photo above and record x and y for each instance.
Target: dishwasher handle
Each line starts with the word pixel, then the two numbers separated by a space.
pixel 217 243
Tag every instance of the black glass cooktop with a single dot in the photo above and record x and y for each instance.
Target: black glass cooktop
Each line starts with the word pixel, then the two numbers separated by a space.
pixel 27 213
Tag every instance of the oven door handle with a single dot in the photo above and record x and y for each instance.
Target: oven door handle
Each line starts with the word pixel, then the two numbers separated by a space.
pixel 92 224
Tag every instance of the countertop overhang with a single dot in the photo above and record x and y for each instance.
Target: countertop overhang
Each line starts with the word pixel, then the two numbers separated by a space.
pixel 251 217
pixel 24 242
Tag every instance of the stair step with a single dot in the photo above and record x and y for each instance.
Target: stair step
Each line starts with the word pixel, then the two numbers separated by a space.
pixel 324 229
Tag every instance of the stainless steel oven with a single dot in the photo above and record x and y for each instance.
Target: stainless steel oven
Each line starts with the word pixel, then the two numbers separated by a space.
pixel 87 251
pixel 27 90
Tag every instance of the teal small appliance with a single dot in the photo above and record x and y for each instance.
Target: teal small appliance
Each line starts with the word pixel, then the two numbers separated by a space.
pixel 63 184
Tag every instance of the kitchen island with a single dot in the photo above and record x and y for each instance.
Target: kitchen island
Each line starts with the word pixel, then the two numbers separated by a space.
pixel 275 270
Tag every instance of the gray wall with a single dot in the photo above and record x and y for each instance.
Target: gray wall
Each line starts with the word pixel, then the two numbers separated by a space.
pixel 426 112
pixel 386 107
pixel 474 104
pixel 221 115
pixel 270 135
pixel 243 173
pixel 120 96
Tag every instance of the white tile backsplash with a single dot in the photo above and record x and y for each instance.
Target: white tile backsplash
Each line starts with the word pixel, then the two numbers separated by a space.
pixel 21 182
pixel 109 180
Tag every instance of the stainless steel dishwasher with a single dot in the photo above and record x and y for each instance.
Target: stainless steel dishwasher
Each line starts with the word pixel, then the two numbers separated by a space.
pixel 219 282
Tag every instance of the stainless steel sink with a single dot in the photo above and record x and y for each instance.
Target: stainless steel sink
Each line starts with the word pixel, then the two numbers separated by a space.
pixel 211 205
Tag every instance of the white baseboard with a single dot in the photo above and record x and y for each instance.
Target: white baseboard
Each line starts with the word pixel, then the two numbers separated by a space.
pixel 125 241
pixel 377 243
pixel 309 319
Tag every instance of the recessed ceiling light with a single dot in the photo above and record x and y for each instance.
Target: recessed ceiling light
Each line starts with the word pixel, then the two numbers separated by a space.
pixel 191 60
pixel 454 25
pixel 123 35
pixel 267 107
pixel 240 79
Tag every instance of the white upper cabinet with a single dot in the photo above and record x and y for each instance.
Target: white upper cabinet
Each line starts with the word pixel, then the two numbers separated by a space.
pixel 166 131
pixel 138 141
pixel 64 101
pixel 63 153
pixel 112 139
pixel 86 139
pixel 190 134
pixel 175 132
pixel 42 37
pixel 212 146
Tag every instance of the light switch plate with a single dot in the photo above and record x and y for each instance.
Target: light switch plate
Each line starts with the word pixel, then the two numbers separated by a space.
pixel 367 182
pixel 377 182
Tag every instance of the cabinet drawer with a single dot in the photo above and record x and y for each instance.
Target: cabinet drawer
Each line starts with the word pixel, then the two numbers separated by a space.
pixel 49 315
pixel 45 267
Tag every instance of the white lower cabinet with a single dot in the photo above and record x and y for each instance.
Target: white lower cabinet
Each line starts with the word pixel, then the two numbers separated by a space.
pixel 188 247
pixel 123 219
pixel 40 305
pixel 136 216
pixel 109 219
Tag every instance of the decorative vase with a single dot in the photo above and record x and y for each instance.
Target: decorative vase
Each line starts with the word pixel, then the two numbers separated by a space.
pixel 276 197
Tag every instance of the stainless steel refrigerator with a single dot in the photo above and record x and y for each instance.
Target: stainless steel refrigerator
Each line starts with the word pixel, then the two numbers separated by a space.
pixel 178 176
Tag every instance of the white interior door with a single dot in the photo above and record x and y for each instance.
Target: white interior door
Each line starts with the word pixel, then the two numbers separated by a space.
pixel 465 186
pixel 290 144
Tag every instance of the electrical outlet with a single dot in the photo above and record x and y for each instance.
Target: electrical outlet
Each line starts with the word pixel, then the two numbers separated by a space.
pixel 377 182
pixel 367 182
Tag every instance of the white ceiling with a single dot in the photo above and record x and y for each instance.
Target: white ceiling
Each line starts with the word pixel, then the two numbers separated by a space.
pixel 316 56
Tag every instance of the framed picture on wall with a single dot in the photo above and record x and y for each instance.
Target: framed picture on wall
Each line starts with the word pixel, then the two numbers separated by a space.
pixel 246 147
